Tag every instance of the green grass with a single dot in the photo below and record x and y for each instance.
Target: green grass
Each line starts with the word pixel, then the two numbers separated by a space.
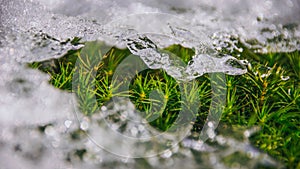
pixel 267 96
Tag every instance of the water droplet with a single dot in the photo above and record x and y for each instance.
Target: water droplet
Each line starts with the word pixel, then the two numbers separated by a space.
pixel 103 108
pixel 210 124
pixel 84 125
pixel 265 75
pixel 68 123
pixel 284 78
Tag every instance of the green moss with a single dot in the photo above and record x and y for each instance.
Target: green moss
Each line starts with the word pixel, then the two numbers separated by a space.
pixel 267 96
pixel 184 53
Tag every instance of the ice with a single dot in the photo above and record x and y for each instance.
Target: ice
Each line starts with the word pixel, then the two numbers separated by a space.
pixel 40 30
pixel 63 20
pixel 27 97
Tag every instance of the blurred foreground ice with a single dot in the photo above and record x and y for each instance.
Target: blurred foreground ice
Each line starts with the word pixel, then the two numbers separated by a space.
pixel 69 144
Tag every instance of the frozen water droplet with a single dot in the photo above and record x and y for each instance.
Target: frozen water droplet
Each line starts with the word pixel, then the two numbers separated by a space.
pixel 284 78
pixel 210 124
pixel 103 108
pixel 68 123
pixel 84 125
